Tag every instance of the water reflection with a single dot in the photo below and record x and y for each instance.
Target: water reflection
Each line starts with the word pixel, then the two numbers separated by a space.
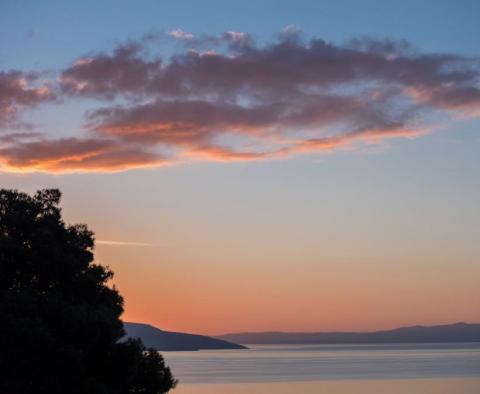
pixel 270 363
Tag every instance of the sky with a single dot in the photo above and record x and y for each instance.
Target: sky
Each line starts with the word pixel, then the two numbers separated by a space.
pixel 257 166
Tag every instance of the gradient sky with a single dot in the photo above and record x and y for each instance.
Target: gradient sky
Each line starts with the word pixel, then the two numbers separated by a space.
pixel 252 166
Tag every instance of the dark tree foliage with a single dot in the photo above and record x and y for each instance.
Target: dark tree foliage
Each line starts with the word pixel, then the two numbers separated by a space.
pixel 60 327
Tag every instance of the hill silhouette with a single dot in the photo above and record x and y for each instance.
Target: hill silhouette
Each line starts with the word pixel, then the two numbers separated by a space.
pixel 458 332
pixel 158 339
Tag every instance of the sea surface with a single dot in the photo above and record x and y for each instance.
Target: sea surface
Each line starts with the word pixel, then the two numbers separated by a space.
pixel 448 368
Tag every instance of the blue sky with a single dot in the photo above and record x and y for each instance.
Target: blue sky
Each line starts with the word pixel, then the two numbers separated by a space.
pixel 49 34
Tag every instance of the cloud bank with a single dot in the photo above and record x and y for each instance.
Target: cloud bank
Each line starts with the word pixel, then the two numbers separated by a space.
pixel 227 98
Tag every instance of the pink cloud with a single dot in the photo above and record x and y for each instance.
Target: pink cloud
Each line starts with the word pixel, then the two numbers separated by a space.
pixel 19 91
pixel 237 100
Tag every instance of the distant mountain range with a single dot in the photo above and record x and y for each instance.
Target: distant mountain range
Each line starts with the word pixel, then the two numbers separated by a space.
pixel 158 339
pixel 459 332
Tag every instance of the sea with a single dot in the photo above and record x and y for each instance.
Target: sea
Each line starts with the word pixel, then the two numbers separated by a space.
pixel 427 368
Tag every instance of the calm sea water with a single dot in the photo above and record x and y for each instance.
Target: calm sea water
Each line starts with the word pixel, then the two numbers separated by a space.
pixel 342 369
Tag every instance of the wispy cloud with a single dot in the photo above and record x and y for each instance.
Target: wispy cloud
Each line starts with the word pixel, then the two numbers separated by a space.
pixel 236 100
pixel 122 243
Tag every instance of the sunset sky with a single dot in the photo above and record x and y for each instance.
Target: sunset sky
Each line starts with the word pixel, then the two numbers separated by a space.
pixel 257 165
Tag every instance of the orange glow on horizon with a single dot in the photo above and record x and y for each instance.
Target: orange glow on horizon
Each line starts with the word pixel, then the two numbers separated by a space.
pixel 217 299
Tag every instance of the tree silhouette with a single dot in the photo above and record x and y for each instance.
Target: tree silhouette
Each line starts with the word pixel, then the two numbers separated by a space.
pixel 60 327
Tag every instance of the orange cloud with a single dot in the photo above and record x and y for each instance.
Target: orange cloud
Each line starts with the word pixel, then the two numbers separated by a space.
pixel 71 154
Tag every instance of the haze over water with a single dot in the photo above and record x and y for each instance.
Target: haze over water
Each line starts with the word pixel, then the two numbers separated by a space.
pixel 385 368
